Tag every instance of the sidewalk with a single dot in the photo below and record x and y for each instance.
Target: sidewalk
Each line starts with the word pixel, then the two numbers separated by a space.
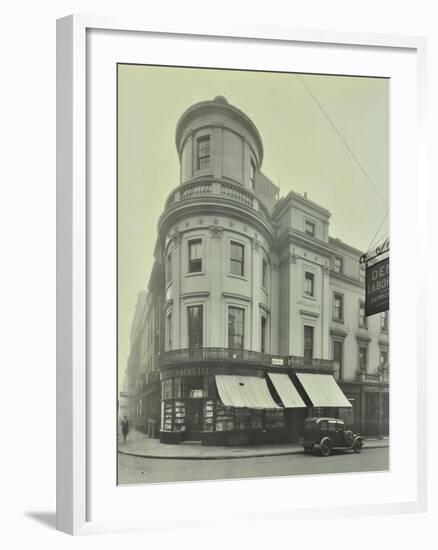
pixel 139 444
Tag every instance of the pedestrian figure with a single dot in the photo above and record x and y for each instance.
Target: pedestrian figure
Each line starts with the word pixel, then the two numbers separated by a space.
pixel 125 428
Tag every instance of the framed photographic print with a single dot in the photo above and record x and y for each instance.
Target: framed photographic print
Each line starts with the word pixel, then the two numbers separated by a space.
pixel 231 220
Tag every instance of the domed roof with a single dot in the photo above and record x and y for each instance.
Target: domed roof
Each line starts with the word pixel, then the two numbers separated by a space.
pixel 218 104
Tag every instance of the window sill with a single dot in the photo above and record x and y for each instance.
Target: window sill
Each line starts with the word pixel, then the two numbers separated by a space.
pixel 194 274
pixel 338 320
pixel 309 296
pixel 242 278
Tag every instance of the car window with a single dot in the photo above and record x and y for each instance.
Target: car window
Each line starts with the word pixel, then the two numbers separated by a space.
pixel 331 426
pixel 323 424
pixel 340 426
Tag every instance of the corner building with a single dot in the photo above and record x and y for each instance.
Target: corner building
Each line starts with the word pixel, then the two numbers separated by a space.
pixel 261 312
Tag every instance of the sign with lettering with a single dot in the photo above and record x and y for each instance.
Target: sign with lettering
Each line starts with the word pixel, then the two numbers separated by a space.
pixel 277 361
pixel 377 288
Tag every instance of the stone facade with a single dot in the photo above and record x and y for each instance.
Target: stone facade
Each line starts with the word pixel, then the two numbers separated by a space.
pixel 245 282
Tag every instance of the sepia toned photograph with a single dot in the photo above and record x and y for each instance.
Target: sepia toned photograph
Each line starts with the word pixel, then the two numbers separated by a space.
pixel 252 274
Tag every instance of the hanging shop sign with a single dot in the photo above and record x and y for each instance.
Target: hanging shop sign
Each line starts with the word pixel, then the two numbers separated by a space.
pixel 377 288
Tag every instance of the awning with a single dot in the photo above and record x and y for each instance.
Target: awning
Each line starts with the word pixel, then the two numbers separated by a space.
pixel 323 390
pixel 286 390
pixel 244 391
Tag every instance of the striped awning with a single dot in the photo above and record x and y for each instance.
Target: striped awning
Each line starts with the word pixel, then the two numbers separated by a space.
pixel 288 393
pixel 244 391
pixel 323 390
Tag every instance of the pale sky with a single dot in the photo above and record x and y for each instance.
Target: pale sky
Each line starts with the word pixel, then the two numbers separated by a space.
pixel 302 152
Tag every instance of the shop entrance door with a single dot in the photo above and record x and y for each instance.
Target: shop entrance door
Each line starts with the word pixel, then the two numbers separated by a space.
pixel 194 419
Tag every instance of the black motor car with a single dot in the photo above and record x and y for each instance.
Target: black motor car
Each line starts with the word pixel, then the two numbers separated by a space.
pixel 325 434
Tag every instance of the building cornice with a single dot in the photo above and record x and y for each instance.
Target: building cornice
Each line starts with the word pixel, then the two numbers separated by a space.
pixel 214 207
pixel 346 279
pixel 298 238
pixel 236 296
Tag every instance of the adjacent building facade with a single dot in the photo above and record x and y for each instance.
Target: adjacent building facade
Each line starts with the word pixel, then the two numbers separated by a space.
pixel 254 317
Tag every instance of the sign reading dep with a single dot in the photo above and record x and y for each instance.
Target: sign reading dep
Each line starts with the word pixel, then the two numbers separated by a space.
pixel 377 288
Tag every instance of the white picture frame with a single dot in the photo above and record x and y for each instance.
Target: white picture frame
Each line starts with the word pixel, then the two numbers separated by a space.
pixel 75 213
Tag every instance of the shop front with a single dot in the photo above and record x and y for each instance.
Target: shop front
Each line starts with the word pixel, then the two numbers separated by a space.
pixel 236 409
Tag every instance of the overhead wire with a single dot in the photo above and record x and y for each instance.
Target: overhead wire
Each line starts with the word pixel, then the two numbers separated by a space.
pixel 347 146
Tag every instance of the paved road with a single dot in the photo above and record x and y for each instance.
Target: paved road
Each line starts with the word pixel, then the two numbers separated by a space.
pixel 146 470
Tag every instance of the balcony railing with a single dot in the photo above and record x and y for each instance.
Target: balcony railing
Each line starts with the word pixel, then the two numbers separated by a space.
pixel 309 363
pixel 211 187
pixel 214 354
pixel 248 357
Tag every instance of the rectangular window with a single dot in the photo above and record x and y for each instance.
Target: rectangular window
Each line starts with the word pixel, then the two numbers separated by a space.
pixel 195 256
pixel 384 321
pixel 203 152
pixel 177 388
pixel 338 264
pixel 169 268
pixel 384 358
pixel 263 335
pixel 169 329
pixel 338 307
pixel 236 327
pixel 308 343
pixel 338 358
pixel 167 388
pixel 195 324
pixel 252 174
pixel 264 273
pixel 363 358
pixel 309 228
pixel 363 322
pixel 309 282
pixel 237 255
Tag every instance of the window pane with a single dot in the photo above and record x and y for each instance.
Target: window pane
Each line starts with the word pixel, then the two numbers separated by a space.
pixel 263 336
pixel 203 152
pixel 265 274
pixel 309 281
pixel 308 342
pixel 236 259
pixel 195 326
pixel 195 256
pixel 235 327
pixel 309 228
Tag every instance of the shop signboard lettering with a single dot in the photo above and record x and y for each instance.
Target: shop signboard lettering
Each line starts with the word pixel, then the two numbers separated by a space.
pixel 377 288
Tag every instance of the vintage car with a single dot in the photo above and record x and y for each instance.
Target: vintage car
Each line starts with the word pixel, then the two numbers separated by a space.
pixel 325 434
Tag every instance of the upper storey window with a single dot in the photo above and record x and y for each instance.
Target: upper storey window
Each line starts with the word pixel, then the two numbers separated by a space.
pixel 252 174
pixel 309 228
pixel 195 256
pixel 338 264
pixel 203 152
pixel 237 255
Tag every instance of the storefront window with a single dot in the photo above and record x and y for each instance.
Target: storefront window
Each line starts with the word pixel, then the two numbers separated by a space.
pixel 166 389
pixel 224 417
pixel 208 415
pixel 168 415
pixel 209 386
pixel 257 419
pixel 274 418
pixel 242 419
pixel 177 388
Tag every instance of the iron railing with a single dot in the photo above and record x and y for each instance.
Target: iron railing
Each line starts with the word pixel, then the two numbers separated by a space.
pixel 243 356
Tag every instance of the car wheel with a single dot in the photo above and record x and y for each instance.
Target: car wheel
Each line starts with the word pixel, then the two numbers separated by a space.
pixel 326 448
pixel 357 447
